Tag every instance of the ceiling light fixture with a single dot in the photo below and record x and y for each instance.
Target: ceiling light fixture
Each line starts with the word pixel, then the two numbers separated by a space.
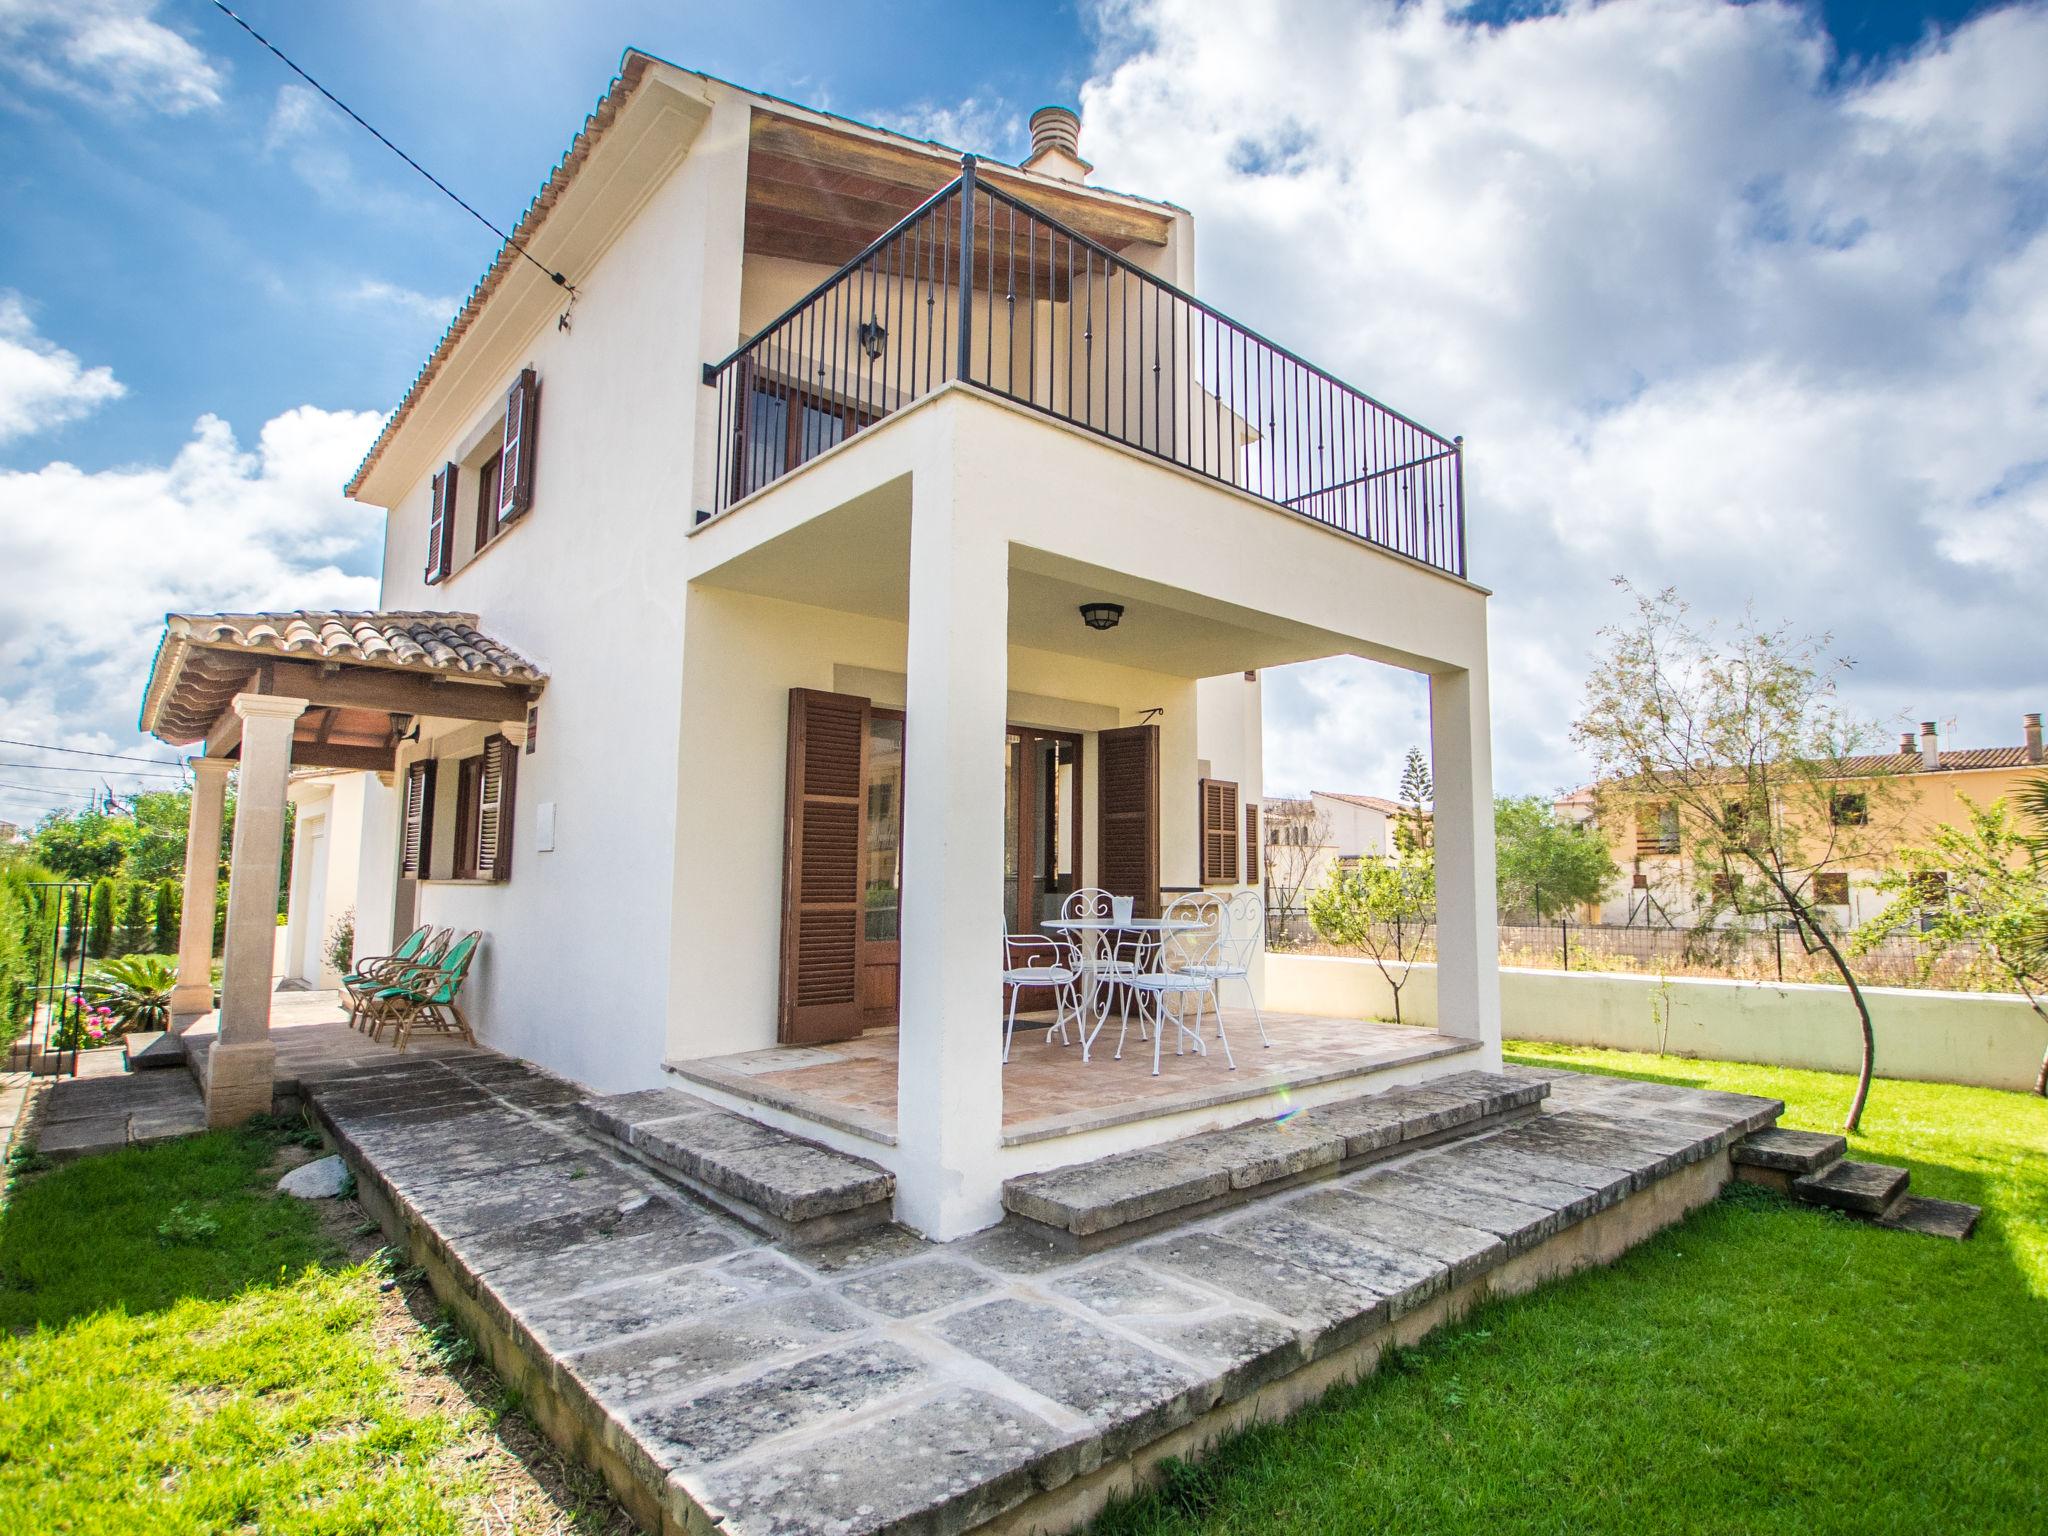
pixel 1101 615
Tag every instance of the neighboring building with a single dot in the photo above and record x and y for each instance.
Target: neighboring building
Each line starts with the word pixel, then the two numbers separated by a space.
pixel 10 834
pixel 1306 839
pixel 1929 781
pixel 715 574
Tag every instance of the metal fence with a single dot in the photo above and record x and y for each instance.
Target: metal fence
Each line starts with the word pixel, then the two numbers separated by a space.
pixel 1733 953
pixel 975 284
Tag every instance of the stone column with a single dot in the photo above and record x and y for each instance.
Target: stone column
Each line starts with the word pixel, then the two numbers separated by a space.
pixel 193 994
pixel 1468 934
pixel 240 1066
pixel 949 1090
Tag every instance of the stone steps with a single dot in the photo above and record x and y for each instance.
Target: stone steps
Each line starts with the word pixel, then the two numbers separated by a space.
pixel 1810 1166
pixel 1131 1194
pixel 776 1183
pixel 153 1049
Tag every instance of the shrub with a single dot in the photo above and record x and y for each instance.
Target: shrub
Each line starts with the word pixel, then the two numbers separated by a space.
pixel 25 930
pixel 137 988
pixel 99 920
pixel 341 941
pixel 131 932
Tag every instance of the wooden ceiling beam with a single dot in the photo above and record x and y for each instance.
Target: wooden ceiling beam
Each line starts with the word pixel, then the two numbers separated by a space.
pixel 399 693
pixel 313 754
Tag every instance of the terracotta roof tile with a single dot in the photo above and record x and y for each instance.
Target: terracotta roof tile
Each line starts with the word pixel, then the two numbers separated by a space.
pixel 204 659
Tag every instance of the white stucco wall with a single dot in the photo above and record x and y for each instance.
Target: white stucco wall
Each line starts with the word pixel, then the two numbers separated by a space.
pixel 1990 1040
pixel 326 857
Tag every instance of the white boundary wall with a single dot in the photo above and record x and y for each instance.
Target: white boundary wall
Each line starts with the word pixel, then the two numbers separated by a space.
pixel 1992 1040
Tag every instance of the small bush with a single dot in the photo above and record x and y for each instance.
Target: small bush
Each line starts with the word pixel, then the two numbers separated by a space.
pixel 187 1224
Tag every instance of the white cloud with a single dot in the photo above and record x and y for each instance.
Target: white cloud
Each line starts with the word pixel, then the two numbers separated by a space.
pixel 95 560
pixel 976 125
pixel 317 142
pixel 1707 313
pixel 41 384
pixel 375 293
pixel 110 51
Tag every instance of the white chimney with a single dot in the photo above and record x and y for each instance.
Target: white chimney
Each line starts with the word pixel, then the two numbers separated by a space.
pixel 1930 747
pixel 2031 725
pixel 1056 144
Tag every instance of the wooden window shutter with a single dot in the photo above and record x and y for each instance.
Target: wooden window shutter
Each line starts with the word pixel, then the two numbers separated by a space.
pixel 494 810
pixel 515 458
pixel 1253 874
pixel 1219 832
pixel 417 853
pixel 441 525
pixel 1127 815
pixel 824 842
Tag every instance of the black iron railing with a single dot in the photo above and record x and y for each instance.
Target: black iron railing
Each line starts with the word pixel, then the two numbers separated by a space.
pixel 975 284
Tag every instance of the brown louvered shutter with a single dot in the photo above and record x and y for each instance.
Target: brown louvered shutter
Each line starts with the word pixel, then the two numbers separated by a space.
pixel 494 810
pixel 417 854
pixel 1219 832
pixel 441 525
pixel 1253 874
pixel 1127 815
pixel 515 458
pixel 824 835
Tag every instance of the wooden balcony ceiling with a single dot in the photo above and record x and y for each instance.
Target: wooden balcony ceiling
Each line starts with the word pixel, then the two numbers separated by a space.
pixel 821 195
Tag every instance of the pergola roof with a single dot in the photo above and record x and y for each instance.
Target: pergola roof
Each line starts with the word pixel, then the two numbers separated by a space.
pixel 204 660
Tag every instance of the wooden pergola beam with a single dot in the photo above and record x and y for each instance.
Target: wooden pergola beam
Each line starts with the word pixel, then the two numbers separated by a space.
pixel 396 693
pixel 315 754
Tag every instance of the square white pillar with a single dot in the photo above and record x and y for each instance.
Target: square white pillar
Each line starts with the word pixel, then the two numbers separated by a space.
pixel 193 995
pixel 239 1067
pixel 1468 933
pixel 949 1089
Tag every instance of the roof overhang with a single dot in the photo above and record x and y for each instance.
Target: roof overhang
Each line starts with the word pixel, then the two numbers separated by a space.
pixel 360 673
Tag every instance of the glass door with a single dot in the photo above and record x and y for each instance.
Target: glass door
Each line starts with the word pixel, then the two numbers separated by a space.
pixel 1041 826
pixel 881 962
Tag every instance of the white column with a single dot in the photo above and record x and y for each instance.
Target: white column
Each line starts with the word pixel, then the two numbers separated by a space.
pixel 949 1093
pixel 239 1067
pixel 193 994
pixel 1468 937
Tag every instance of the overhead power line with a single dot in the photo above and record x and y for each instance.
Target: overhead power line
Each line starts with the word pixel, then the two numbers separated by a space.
pixel 557 278
pixel 124 757
pixel 47 789
pixel 103 773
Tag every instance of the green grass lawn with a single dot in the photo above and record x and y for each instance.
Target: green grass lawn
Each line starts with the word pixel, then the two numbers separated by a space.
pixel 184 1352
pixel 1761 1367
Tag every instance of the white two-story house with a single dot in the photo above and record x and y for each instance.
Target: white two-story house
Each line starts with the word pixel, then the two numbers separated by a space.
pixel 855 548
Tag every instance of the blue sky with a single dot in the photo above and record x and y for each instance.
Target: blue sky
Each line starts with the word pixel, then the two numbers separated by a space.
pixel 1628 250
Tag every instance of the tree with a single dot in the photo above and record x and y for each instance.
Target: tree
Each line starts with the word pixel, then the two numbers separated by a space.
pixel 1547 865
pixel 1382 906
pixel 1296 836
pixel 164 933
pixel 132 930
pixel 1976 892
pixel 82 845
pixel 1413 831
pixel 99 920
pixel 1770 782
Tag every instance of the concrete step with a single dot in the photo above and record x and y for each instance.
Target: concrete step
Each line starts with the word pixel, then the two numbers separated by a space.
pixel 150 1050
pixel 774 1182
pixel 1793 1152
pixel 1862 1189
pixel 1130 1194
pixel 1936 1218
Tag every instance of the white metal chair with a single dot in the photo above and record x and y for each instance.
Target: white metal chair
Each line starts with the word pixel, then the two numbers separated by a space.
pixel 1030 960
pixel 1103 958
pixel 1169 976
pixel 1230 958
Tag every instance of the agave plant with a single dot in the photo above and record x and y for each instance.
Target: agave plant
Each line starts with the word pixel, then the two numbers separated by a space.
pixel 137 988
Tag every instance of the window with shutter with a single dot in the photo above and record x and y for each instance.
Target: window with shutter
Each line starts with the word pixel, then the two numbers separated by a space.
pixel 417 852
pixel 824 846
pixel 441 525
pixel 1220 858
pixel 500 767
pixel 515 450
pixel 1253 875
pixel 1127 815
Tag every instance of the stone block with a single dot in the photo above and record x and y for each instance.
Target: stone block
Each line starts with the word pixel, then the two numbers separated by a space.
pixel 240 1081
pixel 1405 1280
pixel 1116 1191
pixel 1124 1289
pixel 730 1420
pixel 1789 1151
pixel 1865 1189
pixel 558 1255
pixel 948 1463
pixel 1330 1311
pixel 628 1372
pixel 1242 1349
pixel 622 1309
pixel 1464 1251
pixel 1268 1150
pixel 1934 1218
pixel 923 1285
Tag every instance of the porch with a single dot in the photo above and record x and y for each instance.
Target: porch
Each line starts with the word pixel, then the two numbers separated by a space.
pixel 1048 1094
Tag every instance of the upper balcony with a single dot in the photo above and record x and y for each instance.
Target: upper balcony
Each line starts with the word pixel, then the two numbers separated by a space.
pixel 977 285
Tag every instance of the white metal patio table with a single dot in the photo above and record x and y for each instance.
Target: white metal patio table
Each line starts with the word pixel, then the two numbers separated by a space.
pixel 1089 933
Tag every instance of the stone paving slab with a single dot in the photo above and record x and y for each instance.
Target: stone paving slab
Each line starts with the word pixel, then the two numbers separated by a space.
pixel 794 1183
pixel 1097 1201
pixel 878 1382
pixel 1866 1189
pixel 1786 1151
